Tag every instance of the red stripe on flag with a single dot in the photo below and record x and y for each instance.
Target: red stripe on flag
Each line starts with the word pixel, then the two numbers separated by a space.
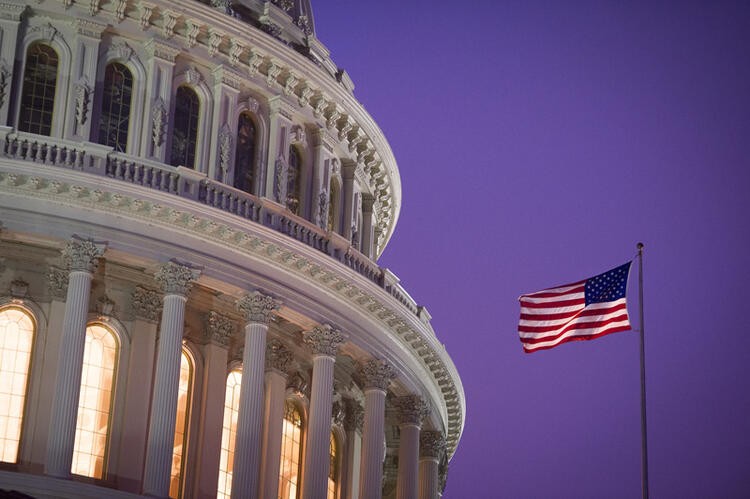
pixel 578 338
pixel 570 327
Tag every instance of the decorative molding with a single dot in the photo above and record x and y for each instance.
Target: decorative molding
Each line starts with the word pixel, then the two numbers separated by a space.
pixel 253 63
pixel 146 304
pixel 193 76
pixel 215 38
pixel 272 73
pixel 161 50
pixel 354 415
pixel 122 51
pixel 333 117
pixel 176 278
pixel 159 125
pixel 105 306
pixel 219 328
pixel 280 173
pixel 304 96
pixel 4 80
pixel 12 11
pixel 303 23
pixel 121 9
pixel 297 383
pixel 253 105
pixel 290 83
pixel 235 52
pixel 87 27
pixel 257 307
pixel 412 409
pixel 297 135
pixel 45 32
pixel 285 5
pixel 81 255
pixel 82 99
pixel 377 374
pixel 431 444
pixel 225 148
pixel 323 209
pixel 169 20
pixel 58 279
pixel 19 288
pixel 278 357
pixel 194 29
pixel 323 340
pixel 147 10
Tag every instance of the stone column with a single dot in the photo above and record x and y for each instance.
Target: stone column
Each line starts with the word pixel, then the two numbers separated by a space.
pixel 348 169
pixel 411 410
pixel 258 310
pixel 431 448
pixel 377 375
pixel 224 127
pixel 368 217
pixel 158 98
pixel 81 257
pixel 175 279
pixel 324 342
pixel 83 79
pixel 215 355
pixel 278 359
pixel 353 420
pixel 146 307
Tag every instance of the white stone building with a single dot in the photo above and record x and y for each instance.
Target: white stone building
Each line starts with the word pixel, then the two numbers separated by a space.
pixel 192 204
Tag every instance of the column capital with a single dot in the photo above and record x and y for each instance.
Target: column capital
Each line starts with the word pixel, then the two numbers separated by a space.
pixel 176 278
pixel 82 254
pixel 257 307
pixel 377 373
pixel 431 444
pixel 278 357
pixel 354 415
pixel 146 304
pixel 412 409
pixel 219 328
pixel 323 340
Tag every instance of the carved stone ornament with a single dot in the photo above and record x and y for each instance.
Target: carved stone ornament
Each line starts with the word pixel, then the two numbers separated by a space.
pixel 82 96
pixel 272 29
pixel 193 30
pixel 121 51
pixel 176 278
pixel 280 179
pixel 297 383
pixel 333 118
pixel 58 283
pixel 193 76
pixel 235 52
pixel 323 340
pixel 121 10
pixel 303 23
pixel 159 122
pixel 105 306
pixel 19 288
pixel 253 63
pixel 82 254
pixel 322 209
pixel 354 415
pixel 278 357
pixel 285 5
pixel 147 9
pixel 298 135
pixel 304 96
pixel 377 374
pixel 257 307
pixel 214 42
pixel 169 20
pixel 272 73
pixel 219 328
pixel 290 83
pixel 252 105
pixel 46 31
pixel 412 409
pixel 225 147
pixel 4 80
pixel 224 6
pixel 431 444
pixel 146 304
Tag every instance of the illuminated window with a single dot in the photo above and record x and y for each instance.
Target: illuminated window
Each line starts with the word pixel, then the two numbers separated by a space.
pixel 229 433
pixel 95 402
pixel 185 133
pixel 293 181
pixel 16 338
pixel 291 452
pixel 117 92
pixel 181 425
pixel 333 469
pixel 38 95
pixel 244 153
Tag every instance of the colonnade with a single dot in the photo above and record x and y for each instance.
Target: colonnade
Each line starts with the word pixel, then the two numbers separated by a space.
pixel 261 406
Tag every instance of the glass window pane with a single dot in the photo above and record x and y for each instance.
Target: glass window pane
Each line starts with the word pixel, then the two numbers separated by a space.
pixel 38 94
pixel 291 452
pixel 181 425
pixel 95 402
pixel 228 433
pixel 16 338
pixel 185 130
pixel 244 154
pixel 117 92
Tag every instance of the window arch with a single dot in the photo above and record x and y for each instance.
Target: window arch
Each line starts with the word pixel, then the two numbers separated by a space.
pixel 95 402
pixel 333 469
pixel 185 130
pixel 182 424
pixel 117 93
pixel 38 92
pixel 244 155
pixel 229 433
pixel 291 452
pixel 293 181
pixel 17 330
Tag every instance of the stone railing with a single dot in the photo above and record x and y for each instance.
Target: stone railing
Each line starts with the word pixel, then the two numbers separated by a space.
pixel 187 183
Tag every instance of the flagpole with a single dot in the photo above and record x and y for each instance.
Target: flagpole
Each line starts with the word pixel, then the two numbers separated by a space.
pixel 644 440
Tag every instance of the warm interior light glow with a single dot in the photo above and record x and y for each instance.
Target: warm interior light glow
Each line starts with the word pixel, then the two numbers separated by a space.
pixel 291 452
pixel 95 402
pixel 181 425
pixel 16 337
pixel 333 468
pixel 228 434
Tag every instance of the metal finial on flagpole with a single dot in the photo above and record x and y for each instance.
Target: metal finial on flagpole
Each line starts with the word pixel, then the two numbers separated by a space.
pixel 644 440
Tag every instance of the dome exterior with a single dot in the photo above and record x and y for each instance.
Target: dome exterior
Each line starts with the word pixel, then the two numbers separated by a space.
pixel 192 204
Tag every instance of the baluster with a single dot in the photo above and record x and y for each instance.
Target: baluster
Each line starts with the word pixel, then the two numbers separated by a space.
pixel 37 152
pixel 79 158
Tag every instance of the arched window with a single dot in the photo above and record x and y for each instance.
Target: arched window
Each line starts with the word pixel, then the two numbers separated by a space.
pixel 333 469
pixel 291 452
pixel 38 94
pixel 293 181
pixel 181 426
pixel 117 93
pixel 16 338
pixel 245 153
pixel 95 402
pixel 185 131
pixel 229 433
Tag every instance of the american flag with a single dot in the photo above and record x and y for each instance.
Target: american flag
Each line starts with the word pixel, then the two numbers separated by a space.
pixel 583 310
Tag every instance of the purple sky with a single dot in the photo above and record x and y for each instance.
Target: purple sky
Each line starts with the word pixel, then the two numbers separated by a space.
pixel 538 142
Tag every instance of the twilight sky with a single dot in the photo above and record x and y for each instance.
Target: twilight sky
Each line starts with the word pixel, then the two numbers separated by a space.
pixel 538 142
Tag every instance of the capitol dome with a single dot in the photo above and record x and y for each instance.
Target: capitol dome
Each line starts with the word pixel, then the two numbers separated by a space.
pixel 192 205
